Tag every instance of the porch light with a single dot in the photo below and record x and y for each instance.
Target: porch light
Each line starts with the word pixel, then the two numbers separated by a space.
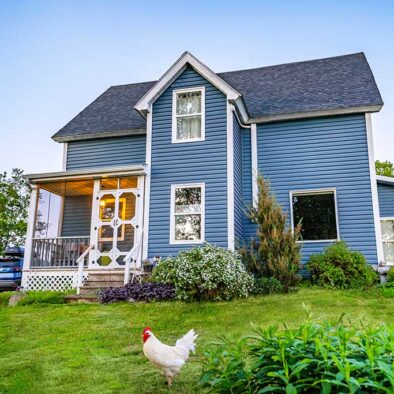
pixel 102 203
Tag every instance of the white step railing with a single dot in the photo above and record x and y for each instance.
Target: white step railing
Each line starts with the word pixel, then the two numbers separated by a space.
pixel 132 255
pixel 80 262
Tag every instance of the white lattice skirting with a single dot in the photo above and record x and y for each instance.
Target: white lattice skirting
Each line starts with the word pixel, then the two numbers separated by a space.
pixel 51 280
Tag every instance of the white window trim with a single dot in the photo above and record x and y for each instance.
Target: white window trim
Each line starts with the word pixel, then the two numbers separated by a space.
pixel 309 192
pixel 173 241
pixel 175 92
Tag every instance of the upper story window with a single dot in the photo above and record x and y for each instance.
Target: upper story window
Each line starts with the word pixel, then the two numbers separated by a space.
pixel 188 115
pixel 317 212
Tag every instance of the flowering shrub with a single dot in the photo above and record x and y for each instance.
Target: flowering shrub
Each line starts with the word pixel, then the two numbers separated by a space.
pixel 205 273
pixel 313 358
pixel 138 292
pixel 341 268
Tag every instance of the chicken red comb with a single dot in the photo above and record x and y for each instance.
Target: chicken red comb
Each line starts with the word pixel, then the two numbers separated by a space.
pixel 146 329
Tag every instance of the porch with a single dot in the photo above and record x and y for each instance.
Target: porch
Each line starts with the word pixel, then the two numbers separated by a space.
pixel 83 222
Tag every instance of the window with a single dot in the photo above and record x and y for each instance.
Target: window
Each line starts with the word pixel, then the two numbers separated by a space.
pixel 187 214
pixel 188 115
pixel 387 227
pixel 317 212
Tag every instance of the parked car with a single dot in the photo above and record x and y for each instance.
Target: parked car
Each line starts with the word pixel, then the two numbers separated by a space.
pixel 11 265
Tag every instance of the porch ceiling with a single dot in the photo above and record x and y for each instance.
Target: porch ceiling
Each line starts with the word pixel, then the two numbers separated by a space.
pixel 69 188
pixel 89 174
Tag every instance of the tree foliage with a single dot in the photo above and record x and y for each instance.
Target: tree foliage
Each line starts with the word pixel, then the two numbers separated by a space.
pixel 274 252
pixel 385 168
pixel 14 202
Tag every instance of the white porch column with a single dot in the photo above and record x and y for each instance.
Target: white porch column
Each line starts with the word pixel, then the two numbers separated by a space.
pixel 30 228
pixel 93 221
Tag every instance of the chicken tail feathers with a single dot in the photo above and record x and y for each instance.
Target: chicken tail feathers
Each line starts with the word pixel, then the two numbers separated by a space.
pixel 187 342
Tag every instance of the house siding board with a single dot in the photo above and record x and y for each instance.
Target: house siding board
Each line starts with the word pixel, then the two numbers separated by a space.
pixel 386 200
pixel 77 212
pixel 329 152
pixel 238 192
pixel 194 162
pixel 106 152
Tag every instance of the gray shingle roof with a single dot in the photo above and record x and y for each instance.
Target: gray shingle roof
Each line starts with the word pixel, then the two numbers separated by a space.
pixel 269 92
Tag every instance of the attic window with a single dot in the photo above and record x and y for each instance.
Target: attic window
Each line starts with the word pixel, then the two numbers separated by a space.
pixel 188 115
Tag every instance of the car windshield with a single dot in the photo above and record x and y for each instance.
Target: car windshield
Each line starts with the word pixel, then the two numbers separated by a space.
pixel 9 262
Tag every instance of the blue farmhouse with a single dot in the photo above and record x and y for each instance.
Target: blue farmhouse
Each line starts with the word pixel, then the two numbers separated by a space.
pixel 155 167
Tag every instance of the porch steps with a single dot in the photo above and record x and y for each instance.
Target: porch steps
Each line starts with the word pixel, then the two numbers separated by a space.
pixel 96 281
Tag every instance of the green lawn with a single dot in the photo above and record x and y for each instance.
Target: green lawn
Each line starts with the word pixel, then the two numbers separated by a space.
pixel 98 348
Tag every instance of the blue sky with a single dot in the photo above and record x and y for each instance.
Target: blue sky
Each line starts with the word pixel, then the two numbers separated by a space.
pixel 58 56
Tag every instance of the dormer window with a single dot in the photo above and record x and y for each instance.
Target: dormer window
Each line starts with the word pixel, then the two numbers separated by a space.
pixel 188 115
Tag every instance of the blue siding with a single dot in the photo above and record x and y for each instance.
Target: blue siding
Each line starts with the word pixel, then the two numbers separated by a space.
pixel 323 153
pixel 238 193
pixel 386 200
pixel 106 152
pixel 77 212
pixel 204 161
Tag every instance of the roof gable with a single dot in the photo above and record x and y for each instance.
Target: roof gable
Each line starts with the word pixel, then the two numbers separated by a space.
pixel 187 59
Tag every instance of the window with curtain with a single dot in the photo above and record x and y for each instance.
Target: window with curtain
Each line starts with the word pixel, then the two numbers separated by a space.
pixel 316 211
pixel 187 214
pixel 387 228
pixel 188 115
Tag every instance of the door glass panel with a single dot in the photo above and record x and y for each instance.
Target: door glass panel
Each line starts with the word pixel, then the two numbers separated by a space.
pixel 105 238
pixel 127 206
pixel 109 184
pixel 127 241
pixel 120 259
pixel 129 182
pixel 104 260
pixel 107 208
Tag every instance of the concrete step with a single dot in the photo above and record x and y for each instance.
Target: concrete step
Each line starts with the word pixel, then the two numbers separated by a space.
pixel 105 276
pixel 81 299
pixel 104 283
pixel 92 289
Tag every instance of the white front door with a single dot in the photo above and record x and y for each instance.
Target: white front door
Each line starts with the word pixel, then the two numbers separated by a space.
pixel 116 220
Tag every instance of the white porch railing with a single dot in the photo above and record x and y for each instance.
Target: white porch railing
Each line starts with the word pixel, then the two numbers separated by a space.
pixel 58 252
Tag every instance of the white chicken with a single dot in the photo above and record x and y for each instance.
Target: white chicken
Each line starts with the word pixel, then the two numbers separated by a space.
pixel 169 358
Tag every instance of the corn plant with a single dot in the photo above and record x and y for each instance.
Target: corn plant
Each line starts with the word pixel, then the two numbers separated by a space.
pixel 328 357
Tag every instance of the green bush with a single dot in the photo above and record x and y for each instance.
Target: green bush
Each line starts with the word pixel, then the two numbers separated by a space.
pixel 314 358
pixel 390 276
pixel 267 286
pixel 205 273
pixel 341 268
pixel 5 297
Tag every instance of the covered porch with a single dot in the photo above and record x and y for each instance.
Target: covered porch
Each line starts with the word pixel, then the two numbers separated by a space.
pixel 80 222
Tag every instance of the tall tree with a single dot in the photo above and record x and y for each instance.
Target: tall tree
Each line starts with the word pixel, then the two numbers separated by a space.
pixel 14 202
pixel 385 168
pixel 275 251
